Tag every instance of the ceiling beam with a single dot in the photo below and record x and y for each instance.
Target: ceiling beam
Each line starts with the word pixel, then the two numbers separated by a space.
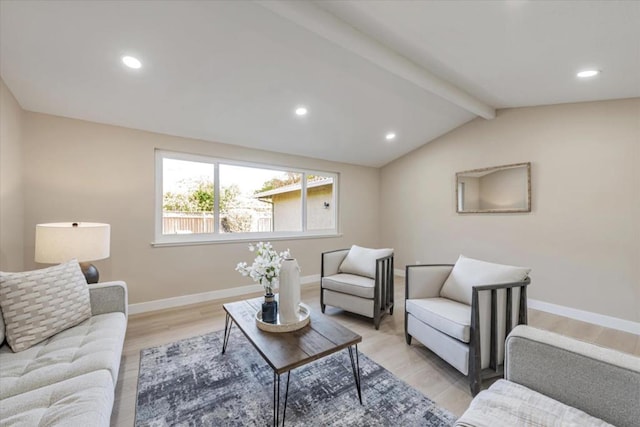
pixel 328 26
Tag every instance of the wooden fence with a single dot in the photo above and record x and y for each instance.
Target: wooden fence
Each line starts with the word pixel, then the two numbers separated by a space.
pixel 201 222
pixel 187 223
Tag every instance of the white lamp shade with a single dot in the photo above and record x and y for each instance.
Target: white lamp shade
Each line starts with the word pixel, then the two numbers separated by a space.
pixel 61 241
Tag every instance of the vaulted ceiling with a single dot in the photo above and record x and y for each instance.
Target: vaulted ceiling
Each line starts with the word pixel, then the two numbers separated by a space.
pixel 235 71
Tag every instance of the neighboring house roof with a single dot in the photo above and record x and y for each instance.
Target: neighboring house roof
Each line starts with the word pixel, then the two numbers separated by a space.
pixel 294 187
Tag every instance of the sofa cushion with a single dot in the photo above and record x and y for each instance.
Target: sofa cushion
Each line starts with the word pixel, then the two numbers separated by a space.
pixel 469 272
pixel 350 284
pixel 86 400
pixel 362 306
pixel 362 261
pixel 92 345
pixel 39 304
pixel 447 316
pixel 507 404
pixel 451 350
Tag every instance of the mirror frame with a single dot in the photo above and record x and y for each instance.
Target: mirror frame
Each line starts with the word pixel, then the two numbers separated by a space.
pixel 491 169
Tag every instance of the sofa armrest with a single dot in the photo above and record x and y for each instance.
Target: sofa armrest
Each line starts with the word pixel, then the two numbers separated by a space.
pixel 331 261
pixel 601 382
pixel 108 297
pixel 425 280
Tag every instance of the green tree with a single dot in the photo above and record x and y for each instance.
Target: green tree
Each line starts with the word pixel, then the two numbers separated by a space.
pixel 232 219
pixel 229 198
pixel 199 198
pixel 288 179
pixel 175 202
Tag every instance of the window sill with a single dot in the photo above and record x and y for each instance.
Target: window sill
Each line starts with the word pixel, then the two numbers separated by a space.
pixel 238 239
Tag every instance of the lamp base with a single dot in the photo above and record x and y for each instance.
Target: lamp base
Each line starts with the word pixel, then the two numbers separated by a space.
pixel 90 272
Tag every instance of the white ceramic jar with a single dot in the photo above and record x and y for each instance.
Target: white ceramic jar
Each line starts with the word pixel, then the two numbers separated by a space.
pixel 289 298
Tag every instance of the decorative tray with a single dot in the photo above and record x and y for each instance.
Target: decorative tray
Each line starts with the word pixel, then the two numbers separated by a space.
pixel 303 320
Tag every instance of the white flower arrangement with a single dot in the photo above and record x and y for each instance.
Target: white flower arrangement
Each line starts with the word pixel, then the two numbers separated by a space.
pixel 266 266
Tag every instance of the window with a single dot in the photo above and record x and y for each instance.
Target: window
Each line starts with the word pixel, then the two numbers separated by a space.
pixel 320 202
pixel 201 199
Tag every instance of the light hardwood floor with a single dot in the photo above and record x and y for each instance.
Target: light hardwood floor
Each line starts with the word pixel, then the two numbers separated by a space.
pixel 414 364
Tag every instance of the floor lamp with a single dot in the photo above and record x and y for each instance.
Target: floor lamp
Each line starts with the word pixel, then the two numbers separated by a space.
pixel 62 241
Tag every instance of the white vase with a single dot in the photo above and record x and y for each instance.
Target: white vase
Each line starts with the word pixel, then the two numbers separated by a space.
pixel 289 291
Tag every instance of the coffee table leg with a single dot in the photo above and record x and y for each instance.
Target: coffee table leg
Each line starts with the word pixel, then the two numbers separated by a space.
pixel 355 365
pixel 228 322
pixel 276 398
pixel 286 396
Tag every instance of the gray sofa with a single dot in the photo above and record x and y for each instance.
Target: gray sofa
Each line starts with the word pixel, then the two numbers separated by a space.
pixel 68 379
pixel 553 380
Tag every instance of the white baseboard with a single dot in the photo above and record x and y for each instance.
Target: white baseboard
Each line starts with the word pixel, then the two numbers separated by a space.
pixel 560 310
pixel 586 316
pixel 236 291
pixel 574 313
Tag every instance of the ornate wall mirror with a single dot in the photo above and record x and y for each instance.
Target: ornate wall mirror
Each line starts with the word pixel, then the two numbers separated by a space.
pixel 498 189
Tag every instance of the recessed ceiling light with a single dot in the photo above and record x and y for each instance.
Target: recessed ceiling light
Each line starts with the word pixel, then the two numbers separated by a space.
pixel 588 73
pixel 301 111
pixel 131 62
pixel 390 136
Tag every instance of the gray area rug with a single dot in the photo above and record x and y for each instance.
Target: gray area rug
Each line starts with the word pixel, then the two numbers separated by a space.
pixel 190 383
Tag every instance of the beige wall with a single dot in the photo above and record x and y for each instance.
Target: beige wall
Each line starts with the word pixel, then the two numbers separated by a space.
pixel 582 238
pixel 85 171
pixel 11 182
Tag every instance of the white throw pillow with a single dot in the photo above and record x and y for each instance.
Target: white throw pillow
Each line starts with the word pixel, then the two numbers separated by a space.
pixel 469 272
pixel 362 261
pixel 38 304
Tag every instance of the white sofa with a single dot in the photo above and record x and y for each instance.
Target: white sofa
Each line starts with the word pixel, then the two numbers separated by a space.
pixel 68 379
pixel 553 380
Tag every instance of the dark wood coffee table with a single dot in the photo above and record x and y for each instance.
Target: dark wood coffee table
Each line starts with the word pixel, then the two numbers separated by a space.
pixel 290 350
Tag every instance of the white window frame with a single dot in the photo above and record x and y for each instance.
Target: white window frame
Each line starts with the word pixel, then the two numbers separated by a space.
pixel 216 236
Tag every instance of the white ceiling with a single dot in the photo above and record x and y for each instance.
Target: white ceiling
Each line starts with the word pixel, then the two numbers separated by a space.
pixel 234 72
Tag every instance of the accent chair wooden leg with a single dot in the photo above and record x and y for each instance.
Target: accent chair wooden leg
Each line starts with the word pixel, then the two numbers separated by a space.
pixel 474 386
pixel 408 337
pixel 475 371
pixel 322 307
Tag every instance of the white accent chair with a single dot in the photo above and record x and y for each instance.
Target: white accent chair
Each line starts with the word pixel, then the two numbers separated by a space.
pixel 358 280
pixel 464 312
